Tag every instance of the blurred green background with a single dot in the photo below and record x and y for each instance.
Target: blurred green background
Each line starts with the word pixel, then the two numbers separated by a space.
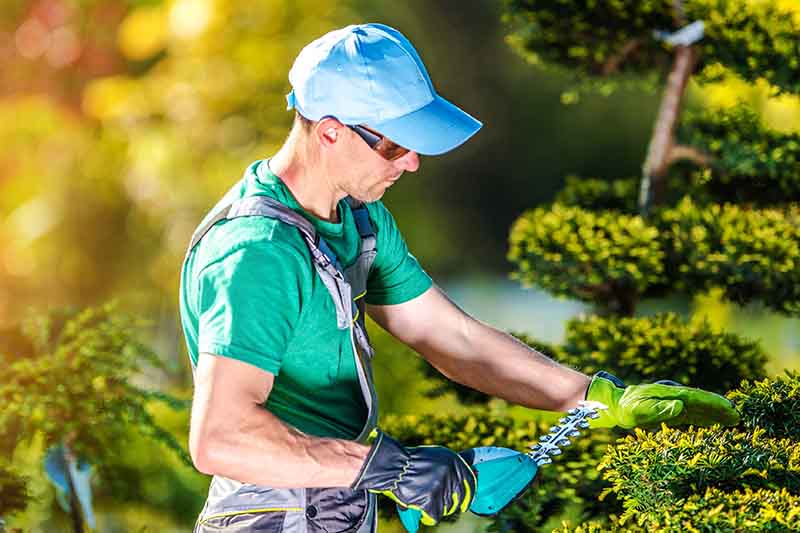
pixel 123 122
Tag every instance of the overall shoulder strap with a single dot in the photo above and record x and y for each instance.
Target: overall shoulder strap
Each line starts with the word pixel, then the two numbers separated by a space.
pixel 325 261
pixel 261 205
pixel 365 228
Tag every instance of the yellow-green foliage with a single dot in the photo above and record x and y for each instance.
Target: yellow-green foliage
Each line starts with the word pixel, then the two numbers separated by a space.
pixel 646 349
pixel 572 482
pixel 752 163
pixel 596 194
pixel 612 259
pixel 13 490
pixel 652 472
pixel 593 527
pixel 772 404
pixel 750 254
pixel 716 511
pixel 595 257
pixel 74 384
pixel 754 39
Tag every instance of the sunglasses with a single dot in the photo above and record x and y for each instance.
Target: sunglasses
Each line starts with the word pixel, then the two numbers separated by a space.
pixel 385 148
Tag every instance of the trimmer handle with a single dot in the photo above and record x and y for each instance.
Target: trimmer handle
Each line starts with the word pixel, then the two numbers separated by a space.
pixel 503 475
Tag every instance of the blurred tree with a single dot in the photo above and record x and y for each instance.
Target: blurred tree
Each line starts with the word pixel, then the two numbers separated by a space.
pixel 68 387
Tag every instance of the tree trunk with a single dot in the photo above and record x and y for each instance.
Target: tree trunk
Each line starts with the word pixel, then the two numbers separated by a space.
pixel 661 143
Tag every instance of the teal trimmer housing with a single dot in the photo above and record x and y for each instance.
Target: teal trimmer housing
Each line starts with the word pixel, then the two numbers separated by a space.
pixel 504 474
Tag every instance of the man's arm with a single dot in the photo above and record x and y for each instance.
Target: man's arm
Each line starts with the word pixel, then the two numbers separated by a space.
pixel 479 356
pixel 232 435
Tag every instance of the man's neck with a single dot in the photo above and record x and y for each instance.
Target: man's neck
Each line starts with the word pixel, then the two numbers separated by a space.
pixel 308 180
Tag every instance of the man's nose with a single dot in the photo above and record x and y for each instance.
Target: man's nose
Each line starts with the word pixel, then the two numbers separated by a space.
pixel 409 162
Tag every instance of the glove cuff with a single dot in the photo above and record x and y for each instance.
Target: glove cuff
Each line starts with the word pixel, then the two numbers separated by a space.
pixel 607 389
pixel 384 461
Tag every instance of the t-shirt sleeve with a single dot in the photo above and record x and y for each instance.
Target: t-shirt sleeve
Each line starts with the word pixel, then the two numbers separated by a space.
pixel 396 276
pixel 249 304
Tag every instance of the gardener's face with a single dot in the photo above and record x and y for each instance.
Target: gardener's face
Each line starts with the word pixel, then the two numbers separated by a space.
pixel 366 173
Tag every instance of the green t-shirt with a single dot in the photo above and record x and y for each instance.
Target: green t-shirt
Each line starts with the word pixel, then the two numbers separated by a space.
pixel 249 291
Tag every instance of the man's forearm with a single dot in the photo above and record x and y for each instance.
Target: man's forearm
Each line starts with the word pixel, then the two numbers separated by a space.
pixel 258 448
pixel 494 362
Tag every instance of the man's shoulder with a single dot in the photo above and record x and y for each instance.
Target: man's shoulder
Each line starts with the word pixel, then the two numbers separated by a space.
pixel 252 237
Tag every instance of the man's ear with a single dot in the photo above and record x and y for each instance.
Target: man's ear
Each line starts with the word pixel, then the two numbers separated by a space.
pixel 327 131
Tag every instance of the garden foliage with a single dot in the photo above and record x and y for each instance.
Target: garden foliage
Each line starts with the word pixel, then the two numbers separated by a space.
pixel 771 404
pixel 69 379
pixel 756 40
pixel 645 349
pixel 613 260
pixel 13 490
pixel 751 163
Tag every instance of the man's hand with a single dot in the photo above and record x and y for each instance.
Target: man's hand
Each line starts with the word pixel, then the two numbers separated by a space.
pixel 650 404
pixel 431 479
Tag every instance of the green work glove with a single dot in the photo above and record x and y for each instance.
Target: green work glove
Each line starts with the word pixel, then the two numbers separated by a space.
pixel 653 403
pixel 434 480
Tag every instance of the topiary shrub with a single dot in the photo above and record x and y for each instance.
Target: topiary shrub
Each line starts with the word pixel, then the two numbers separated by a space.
pixel 756 40
pixel 716 511
pixel 604 258
pixel 772 405
pixel 653 472
pixel 749 254
pixel 646 349
pixel 595 194
pixel 751 163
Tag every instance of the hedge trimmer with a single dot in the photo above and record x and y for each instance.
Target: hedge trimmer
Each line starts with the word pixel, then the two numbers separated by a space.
pixel 503 474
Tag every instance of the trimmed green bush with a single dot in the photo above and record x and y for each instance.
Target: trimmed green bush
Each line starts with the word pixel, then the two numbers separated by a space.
pixel 752 163
pixel 603 258
pixel 651 472
pixel 716 511
pixel 664 346
pixel 756 40
pixel 600 195
pixel 612 260
pixel 588 527
pixel 749 254
pixel 772 405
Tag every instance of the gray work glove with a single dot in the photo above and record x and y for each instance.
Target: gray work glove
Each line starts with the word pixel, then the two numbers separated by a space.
pixel 434 480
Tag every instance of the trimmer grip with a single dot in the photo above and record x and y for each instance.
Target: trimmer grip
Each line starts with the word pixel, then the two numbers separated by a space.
pixel 503 476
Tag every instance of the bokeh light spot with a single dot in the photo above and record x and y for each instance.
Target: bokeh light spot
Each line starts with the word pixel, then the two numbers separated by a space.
pixel 143 32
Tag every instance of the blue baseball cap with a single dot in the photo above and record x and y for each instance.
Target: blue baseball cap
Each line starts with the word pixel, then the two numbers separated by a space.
pixel 370 74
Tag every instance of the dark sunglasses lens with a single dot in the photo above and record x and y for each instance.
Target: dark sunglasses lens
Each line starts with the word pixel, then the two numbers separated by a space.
pixel 391 151
pixel 385 148
pixel 370 138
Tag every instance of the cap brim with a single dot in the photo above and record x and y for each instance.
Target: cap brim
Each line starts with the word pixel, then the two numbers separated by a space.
pixel 431 130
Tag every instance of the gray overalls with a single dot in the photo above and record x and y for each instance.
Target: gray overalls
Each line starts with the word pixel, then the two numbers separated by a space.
pixel 235 506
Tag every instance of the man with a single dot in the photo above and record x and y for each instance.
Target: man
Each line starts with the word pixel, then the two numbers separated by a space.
pixel 274 289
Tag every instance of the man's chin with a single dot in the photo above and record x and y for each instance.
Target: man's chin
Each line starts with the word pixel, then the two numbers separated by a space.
pixel 369 196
